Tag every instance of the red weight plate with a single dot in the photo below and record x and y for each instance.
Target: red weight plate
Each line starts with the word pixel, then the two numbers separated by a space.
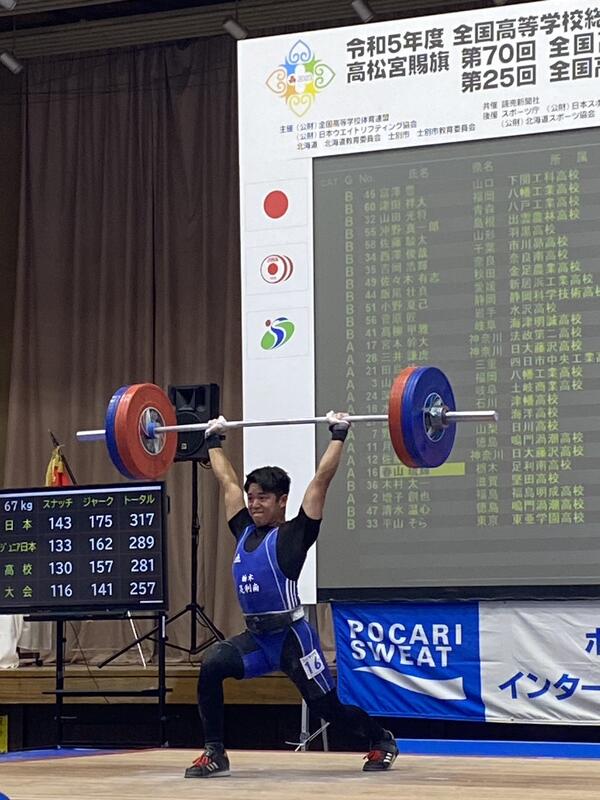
pixel 141 456
pixel 395 416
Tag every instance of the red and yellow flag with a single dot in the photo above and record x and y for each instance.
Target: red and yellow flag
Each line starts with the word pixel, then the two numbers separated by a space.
pixel 56 474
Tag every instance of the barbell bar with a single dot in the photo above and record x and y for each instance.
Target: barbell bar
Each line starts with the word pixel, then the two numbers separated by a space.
pixel 141 424
pixel 447 417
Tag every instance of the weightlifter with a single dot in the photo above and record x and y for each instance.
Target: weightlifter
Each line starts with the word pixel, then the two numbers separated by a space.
pixel 269 556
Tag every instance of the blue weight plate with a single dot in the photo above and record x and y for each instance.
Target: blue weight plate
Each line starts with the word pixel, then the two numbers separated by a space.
pixel 111 437
pixel 427 447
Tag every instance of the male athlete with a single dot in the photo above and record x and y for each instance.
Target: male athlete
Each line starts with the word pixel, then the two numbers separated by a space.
pixel 268 559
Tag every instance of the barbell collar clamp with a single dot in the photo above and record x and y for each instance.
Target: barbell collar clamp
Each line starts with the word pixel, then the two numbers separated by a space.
pixel 441 416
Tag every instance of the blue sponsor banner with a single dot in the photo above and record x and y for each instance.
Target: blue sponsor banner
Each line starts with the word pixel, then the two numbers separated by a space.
pixel 410 659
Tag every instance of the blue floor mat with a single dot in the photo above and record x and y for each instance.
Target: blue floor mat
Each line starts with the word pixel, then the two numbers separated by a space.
pixel 63 752
pixel 498 749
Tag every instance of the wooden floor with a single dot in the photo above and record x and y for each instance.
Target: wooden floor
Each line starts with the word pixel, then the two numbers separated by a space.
pixel 158 774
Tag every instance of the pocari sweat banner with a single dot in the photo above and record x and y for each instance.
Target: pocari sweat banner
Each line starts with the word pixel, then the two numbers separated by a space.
pixel 410 659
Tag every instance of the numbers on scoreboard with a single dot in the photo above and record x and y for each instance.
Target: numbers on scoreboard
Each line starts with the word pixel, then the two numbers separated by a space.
pixel 62 523
pixel 142 565
pixel 87 547
pixel 61 545
pixel 141 542
pixel 100 521
pixel 18 505
pixel 98 543
pixel 141 588
pixel 102 589
pixel 61 590
pixel 101 566
pixel 60 567
pixel 141 519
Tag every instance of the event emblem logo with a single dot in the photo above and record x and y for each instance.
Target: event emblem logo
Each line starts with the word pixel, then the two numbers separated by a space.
pixel 280 331
pixel 276 268
pixel 300 78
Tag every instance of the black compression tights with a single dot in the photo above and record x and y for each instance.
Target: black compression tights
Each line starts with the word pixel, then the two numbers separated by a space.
pixel 222 660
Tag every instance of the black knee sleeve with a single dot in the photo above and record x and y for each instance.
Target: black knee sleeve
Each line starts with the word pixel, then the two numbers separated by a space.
pixel 221 660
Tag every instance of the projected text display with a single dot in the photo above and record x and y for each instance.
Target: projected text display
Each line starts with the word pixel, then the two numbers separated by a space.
pixel 483 259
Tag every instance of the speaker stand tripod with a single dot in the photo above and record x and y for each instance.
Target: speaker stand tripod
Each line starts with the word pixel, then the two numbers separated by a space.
pixel 193 608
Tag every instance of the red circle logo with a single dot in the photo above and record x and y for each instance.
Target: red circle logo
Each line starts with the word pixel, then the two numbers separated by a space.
pixel 276 268
pixel 276 203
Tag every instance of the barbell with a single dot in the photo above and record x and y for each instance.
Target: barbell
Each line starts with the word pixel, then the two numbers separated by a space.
pixel 141 426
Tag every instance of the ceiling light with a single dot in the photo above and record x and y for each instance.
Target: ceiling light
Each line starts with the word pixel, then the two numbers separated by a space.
pixel 364 10
pixel 8 4
pixel 10 62
pixel 235 29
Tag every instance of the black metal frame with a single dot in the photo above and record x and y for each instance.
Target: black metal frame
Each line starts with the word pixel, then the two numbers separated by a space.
pixel 60 692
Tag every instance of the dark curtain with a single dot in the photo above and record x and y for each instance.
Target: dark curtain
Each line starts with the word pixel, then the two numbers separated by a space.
pixel 10 166
pixel 128 271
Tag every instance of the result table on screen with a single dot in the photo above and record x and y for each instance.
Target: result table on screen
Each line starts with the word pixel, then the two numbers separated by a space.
pixel 481 258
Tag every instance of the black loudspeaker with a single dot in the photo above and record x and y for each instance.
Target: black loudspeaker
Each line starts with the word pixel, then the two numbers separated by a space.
pixel 194 404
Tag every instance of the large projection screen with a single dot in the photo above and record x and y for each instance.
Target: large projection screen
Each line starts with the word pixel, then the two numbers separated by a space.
pixel 430 184
pixel 483 259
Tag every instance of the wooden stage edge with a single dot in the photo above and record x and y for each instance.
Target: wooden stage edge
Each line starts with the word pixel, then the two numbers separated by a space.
pixel 28 684
pixel 296 776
